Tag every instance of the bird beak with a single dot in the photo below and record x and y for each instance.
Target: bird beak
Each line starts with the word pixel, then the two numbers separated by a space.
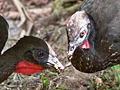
pixel 70 52
pixel 53 63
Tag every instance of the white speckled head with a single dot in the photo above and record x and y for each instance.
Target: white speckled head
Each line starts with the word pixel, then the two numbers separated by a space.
pixel 78 30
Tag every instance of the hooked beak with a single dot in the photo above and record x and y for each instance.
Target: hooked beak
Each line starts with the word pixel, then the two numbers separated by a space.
pixel 53 63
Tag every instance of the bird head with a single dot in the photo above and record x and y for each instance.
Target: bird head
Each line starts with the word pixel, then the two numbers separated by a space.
pixel 34 56
pixel 78 30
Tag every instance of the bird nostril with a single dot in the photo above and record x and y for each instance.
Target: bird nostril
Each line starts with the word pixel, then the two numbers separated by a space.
pixel 72 48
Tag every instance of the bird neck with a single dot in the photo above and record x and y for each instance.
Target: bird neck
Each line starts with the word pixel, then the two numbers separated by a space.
pixel 3 39
pixel 16 58
pixel 92 35
pixel 92 28
pixel 3 32
pixel 7 66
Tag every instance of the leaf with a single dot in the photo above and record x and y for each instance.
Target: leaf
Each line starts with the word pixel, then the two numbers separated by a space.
pixel 45 81
pixel 42 77
pixel 53 73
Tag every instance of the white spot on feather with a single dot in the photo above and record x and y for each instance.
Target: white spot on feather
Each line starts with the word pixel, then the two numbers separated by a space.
pixel 114 54
pixel 111 46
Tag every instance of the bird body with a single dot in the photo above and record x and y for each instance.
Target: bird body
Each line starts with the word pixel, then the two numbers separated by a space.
pixel 28 56
pixel 100 19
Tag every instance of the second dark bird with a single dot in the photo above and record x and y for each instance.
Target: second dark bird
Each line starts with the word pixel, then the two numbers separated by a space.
pixel 94 35
pixel 28 56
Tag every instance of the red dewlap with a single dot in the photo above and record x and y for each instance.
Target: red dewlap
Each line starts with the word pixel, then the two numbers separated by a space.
pixel 85 45
pixel 28 68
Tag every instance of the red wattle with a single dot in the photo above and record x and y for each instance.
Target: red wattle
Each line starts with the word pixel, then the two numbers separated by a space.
pixel 28 68
pixel 85 45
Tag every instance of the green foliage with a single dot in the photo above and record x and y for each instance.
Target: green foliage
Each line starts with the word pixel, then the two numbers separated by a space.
pixel 53 73
pixel 44 82
pixel 110 78
pixel 116 72
pixel 106 78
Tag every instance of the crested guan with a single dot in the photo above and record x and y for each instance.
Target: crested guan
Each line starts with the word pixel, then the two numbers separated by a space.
pixel 28 56
pixel 94 35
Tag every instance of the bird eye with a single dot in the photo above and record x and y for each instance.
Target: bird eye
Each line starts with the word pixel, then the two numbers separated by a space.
pixel 82 33
pixel 40 54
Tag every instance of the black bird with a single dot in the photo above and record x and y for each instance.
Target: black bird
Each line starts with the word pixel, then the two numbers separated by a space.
pixel 30 55
pixel 94 35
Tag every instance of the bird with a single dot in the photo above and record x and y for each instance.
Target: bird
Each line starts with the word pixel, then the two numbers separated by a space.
pixel 28 56
pixel 93 34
